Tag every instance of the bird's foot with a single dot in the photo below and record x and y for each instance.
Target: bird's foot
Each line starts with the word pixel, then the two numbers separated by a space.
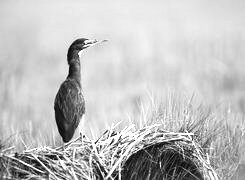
pixel 63 147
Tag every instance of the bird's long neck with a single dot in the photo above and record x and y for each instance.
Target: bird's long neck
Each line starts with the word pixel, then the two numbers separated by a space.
pixel 74 66
pixel 75 71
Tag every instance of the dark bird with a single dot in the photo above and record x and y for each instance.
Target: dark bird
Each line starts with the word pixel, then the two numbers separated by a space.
pixel 69 105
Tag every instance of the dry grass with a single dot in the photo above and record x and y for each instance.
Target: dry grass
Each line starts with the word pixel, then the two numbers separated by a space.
pixel 184 141
pixel 109 155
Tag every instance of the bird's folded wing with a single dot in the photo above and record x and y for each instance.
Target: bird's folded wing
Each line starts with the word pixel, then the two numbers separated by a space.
pixel 70 101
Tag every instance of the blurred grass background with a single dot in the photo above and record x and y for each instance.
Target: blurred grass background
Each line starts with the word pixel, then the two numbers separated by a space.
pixel 188 46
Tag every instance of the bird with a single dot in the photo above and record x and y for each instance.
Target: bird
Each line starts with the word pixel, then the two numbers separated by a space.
pixel 69 104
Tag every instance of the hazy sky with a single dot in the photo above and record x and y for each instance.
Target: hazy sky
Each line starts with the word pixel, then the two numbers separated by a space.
pixel 195 17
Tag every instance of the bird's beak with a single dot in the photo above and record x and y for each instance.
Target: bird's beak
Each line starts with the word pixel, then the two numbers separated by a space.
pixel 89 43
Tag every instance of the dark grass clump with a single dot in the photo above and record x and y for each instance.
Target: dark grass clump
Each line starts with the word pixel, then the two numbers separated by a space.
pixel 164 161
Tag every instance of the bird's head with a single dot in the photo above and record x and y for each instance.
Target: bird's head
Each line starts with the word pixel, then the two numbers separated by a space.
pixel 79 45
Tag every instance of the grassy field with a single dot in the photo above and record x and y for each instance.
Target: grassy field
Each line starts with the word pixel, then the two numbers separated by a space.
pixel 157 51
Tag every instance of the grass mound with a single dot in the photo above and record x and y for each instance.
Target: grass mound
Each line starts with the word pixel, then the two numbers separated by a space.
pixel 148 153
